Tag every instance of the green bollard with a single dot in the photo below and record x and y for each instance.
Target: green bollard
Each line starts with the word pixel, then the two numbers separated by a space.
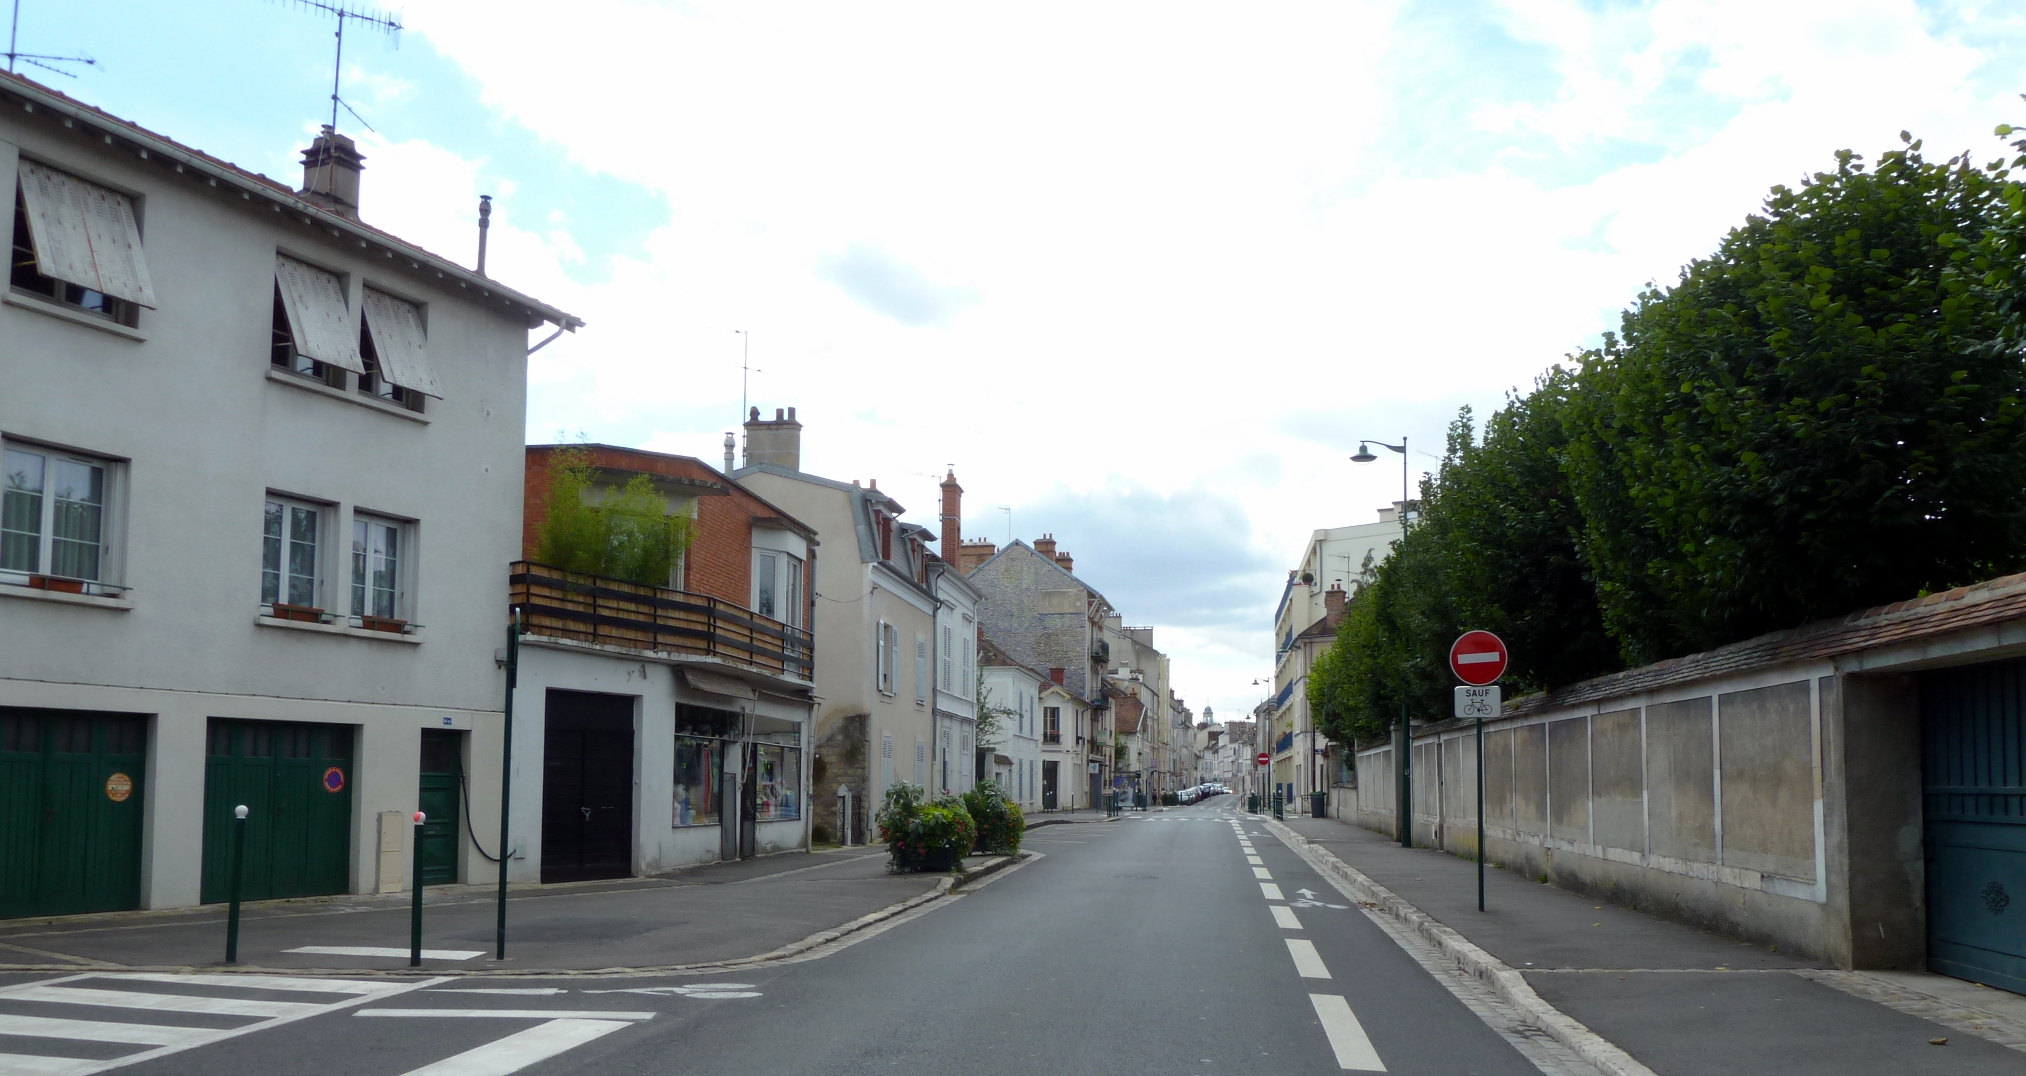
pixel 1277 815
pixel 238 868
pixel 415 883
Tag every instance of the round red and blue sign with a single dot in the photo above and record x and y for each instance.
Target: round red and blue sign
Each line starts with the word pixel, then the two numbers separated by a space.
pixel 334 780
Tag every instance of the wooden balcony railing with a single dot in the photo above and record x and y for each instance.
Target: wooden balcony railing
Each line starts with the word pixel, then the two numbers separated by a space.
pixel 613 612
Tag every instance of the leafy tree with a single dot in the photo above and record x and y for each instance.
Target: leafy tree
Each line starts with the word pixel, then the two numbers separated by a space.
pixel 627 535
pixel 1826 414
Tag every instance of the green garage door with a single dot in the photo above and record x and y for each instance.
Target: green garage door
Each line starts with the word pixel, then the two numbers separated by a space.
pixel 1973 723
pixel 70 811
pixel 296 783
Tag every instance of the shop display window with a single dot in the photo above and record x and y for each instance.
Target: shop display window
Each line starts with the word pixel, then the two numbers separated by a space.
pixel 777 777
pixel 696 780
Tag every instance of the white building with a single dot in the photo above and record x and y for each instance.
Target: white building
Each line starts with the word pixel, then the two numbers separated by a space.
pixel 263 474
pixel 1017 692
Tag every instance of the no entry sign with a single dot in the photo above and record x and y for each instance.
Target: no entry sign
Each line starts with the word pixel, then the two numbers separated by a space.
pixel 1264 758
pixel 1477 657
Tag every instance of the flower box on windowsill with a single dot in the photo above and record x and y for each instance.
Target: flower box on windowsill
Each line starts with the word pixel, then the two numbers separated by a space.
pixel 308 614
pixel 383 623
pixel 54 582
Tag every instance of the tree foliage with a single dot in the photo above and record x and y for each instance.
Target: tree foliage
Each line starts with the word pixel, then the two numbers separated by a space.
pixel 627 534
pixel 1827 413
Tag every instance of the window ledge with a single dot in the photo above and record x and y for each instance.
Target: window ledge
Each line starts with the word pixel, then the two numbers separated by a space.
pixel 97 601
pixel 266 621
pixel 65 312
pixel 293 381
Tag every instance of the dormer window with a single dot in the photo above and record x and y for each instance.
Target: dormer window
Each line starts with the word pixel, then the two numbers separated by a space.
pixel 78 244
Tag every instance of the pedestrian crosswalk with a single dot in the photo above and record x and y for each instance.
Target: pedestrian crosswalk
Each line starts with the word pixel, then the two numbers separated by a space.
pixel 62 1027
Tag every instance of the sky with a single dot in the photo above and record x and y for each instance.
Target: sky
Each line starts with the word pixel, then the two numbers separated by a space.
pixel 1143 274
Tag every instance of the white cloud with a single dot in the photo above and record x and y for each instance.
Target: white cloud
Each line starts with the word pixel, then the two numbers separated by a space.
pixel 1080 249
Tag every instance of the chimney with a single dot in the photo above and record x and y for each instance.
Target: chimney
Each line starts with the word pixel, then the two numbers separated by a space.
pixel 950 545
pixel 1065 562
pixel 975 552
pixel 778 442
pixel 1045 545
pixel 330 173
pixel 1333 605
pixel 1057 673
pixel 731 444
pixel 484 226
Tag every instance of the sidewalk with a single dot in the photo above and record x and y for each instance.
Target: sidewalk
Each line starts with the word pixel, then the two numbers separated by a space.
pixel 1685 1002
pixel 716 912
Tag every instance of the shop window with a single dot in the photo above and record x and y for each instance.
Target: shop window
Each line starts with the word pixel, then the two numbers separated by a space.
pixel 777 782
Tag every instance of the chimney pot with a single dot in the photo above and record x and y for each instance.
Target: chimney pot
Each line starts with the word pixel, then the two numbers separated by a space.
pixel 330 173
pixel 1057 673
pixel 1045 545
pixel 777 441
pixel 778 416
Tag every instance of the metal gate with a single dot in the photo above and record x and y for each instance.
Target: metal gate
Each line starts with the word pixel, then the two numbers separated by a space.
pixel 295 781
pixel 70 811
pixel 587 786
pixel 1973 723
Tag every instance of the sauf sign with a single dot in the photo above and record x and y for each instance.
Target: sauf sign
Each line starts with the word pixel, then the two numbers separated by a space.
pixel 1478 658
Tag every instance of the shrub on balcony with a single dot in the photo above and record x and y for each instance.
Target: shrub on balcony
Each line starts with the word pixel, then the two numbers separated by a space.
pixel 627 535
pixel 999 820
pixel 931 836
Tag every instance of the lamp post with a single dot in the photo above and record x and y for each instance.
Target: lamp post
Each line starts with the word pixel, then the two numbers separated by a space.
pixel 1404 778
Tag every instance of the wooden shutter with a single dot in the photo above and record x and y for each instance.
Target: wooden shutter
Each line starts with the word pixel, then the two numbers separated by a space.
pixel 396 327
pixel 84 234
pixel 318 317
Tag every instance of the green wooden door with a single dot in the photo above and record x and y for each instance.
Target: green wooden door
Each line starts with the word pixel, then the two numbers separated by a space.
pixel 1973 724
pixel 440 799
pixel 296 784
pixel 71 787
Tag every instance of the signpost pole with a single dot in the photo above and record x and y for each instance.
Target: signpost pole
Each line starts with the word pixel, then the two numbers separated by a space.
pixel 506 777
pixel 1480 810
pixel 238 871
pixel 415 883
pixel 1406 780
pixel 1478 658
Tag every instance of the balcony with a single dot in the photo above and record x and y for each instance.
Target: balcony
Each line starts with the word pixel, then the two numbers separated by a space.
pixel 601 611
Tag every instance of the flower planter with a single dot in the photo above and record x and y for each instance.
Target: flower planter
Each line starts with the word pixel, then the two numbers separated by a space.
pixel 939 860
pixel 383 623
pixel 308 614
pixel 51 582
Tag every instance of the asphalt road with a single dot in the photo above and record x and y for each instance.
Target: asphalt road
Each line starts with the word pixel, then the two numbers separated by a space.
pixel 1181 942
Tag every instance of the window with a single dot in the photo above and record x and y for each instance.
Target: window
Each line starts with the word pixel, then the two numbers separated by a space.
pixel 885 760
pixel 766 581
pixel 313 332
pixel 947 658
pixel 884 645
pixel 374 381
pixel 702 735
pixel 777 782
pixel 53 514
pixel 377 551
pixel 921 669
pixel 921 762
pixel 791 590
pixel 289 559
pixel 393 330
pixel 78 244
pixel 965 690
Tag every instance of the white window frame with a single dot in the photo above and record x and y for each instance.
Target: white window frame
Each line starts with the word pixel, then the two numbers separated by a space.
pixel 792 573
pixel 921 670
pixel 404 566
pixel 112 499
pixel 767 584
pixel 882 661
pixel 947 660
pixel 320 557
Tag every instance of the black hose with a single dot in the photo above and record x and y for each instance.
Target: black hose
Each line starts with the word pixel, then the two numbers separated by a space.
pixel 464 793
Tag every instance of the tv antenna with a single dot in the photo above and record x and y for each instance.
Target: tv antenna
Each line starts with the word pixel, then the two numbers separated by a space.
pixel 746 370
pixel 43 60
pixel 343 12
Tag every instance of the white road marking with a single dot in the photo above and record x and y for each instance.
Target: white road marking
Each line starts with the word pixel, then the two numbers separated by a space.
pixel 536 991
pixel 265 982
pixel 126 999
pixel 1347 1037
pixel 1283 916
pixel 50 1027
pixel 385 950
pixel 714 991
pixel 1261 872
pixel 517 1051
pixel 165 1039
pixel 37 1065
pixel 1270 891
pixel 1254 860
pixel 511 1014
pixel 1306 960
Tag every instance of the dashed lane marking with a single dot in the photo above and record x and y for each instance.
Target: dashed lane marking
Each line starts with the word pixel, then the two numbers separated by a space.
pixel 1255 860
pixel 1283 917
pixel 1270 891
pixel 1347 1037
pixel 1306 960
pixel 517 1051
pixel 385 950
pixel 1261 872
pixel 509 1014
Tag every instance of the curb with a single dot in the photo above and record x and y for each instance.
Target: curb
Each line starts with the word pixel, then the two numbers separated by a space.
pixel 1510 985
pixel 992 866
pixel 792 949
pixel 1068 822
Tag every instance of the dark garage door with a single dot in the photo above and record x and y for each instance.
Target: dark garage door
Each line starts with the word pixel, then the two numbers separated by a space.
pixel 70 811
pixel 1973 722
pixel 295 781
pixel 587 787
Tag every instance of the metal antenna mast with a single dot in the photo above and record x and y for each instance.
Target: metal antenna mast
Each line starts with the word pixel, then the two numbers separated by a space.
pixel 39 59
pixel 746 371
pixel 342 11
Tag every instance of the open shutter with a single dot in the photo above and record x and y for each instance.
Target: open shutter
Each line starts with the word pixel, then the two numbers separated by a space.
pixel 116 245
pixel 318 316
pixel 396 327
pixel 84 234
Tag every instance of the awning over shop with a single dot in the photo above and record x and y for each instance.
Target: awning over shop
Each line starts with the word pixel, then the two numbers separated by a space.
pixel 727 686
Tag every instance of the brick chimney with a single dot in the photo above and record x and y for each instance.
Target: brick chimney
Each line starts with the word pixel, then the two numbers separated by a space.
pixel 778 442
pixel 1057 673
pixel 1065 562
pixel 951 544
pixel 975 552
pixel 1333 605
pixel 330 173
pixel 1045 545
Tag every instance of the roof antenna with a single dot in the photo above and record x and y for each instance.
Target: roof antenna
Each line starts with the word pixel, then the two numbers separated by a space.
pixel 39 59
pixel 343 11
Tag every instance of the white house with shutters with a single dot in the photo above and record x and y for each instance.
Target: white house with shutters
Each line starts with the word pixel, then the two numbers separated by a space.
pixel 263 475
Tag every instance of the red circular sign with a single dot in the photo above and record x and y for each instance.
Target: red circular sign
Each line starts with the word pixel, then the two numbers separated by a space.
pixel 1477 658
pixel 334 780
pixel 1264 758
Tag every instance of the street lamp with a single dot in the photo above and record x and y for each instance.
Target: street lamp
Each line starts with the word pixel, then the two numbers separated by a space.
pixel 1404 771
pixel 1364 455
